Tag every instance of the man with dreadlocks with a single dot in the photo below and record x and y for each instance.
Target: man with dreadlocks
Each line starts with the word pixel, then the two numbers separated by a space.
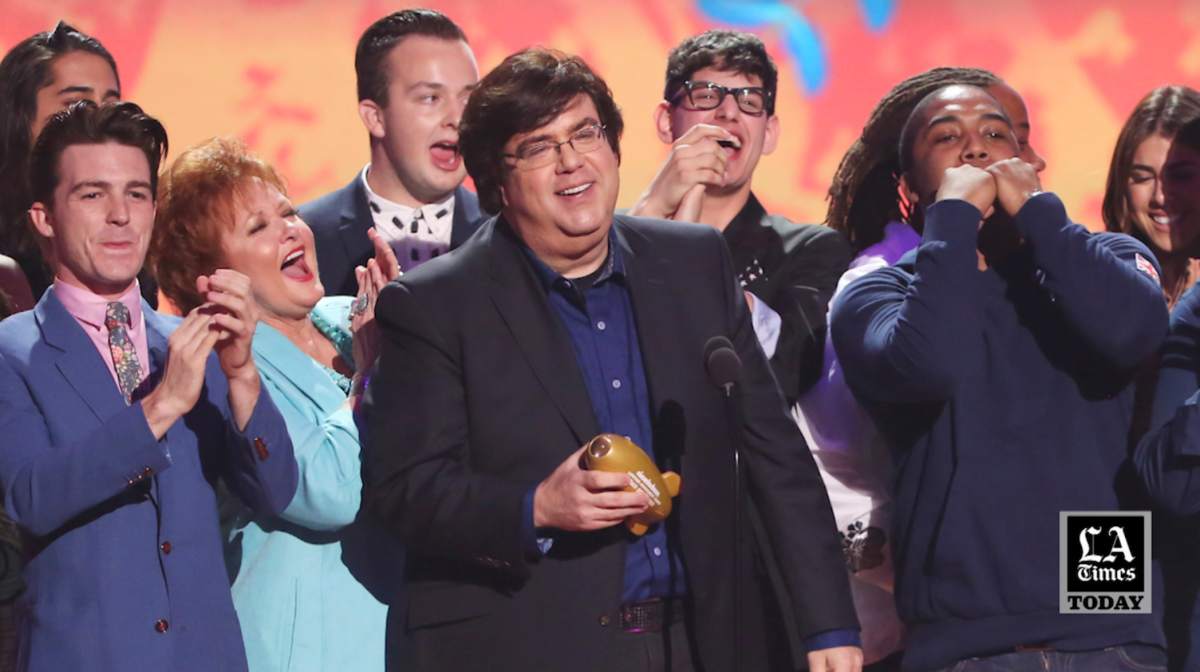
pixel 865 205
pixel 718 113
pixel 864 196
pixel 997 361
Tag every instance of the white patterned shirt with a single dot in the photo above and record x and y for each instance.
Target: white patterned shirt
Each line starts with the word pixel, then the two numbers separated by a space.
pixel 416 235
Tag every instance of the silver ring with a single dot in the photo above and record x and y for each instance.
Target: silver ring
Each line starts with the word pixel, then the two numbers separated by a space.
pixel 360 305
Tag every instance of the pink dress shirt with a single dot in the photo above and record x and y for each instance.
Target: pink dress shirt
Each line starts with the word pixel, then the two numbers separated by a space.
pixel 88 309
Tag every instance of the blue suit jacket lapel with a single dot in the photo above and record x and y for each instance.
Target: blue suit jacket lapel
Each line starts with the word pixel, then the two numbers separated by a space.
pixel 158 332
pixel 467 216
pixel 356 219
pixel 78 360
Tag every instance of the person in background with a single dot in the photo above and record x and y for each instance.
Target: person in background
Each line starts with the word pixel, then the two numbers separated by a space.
pixel 718 115
pixel 119 420
pixel 39 76
pixel 1133 199
pixel 17 296
pixel 1134 203
pixel 11 583
pixel 997 360
pixel 1166 455
pixel 221 206
pixel 855 462
pixel 415 71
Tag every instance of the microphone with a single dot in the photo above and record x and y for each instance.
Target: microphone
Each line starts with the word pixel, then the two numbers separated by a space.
pixel 722 364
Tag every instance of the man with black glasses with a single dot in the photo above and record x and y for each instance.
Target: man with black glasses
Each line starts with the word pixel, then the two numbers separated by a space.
pixel 718 113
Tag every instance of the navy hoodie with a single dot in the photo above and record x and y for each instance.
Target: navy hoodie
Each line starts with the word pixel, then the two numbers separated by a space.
pixel 1007 396
pixel 1169 455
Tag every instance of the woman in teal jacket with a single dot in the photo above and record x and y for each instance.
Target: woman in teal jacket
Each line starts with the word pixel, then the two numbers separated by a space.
pixel 299 593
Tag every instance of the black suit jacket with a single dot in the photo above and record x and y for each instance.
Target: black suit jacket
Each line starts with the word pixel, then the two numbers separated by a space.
pixel 795 269
pixel 339 221
pixel 477 397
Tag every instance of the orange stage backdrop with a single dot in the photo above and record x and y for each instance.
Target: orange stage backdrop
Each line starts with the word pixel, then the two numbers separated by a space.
pixel 279 73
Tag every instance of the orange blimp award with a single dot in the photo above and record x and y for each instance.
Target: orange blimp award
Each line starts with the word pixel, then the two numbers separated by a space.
pixel 611 452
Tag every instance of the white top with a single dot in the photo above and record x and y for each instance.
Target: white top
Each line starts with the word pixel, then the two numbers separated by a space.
pixel 416 235
pixel 856 466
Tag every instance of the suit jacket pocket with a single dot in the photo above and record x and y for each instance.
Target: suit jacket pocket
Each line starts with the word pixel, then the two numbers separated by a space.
pixel 450 602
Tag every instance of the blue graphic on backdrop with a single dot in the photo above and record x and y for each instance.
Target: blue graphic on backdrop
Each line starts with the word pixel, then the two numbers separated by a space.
pixel 800 39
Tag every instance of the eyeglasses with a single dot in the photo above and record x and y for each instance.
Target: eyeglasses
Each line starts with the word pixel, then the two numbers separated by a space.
pixel 542 154
pixel 752 100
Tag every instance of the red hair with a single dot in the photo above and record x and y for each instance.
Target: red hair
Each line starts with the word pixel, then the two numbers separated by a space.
pixel 196 198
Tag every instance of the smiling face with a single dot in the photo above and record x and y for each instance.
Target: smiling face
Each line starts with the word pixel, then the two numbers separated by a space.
pixel 74 76
pixel 959 125
pixel 272 246
pixel 100 222
pixel 1145 191
pixel 429 81
pixel 563 210
pixel 757 135
pixel 1181 198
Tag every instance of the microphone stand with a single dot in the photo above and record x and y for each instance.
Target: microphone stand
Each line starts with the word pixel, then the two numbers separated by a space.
pixel 733 414
pixel 724 369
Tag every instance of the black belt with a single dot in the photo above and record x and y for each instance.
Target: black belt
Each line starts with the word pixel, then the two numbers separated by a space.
pixel 651 615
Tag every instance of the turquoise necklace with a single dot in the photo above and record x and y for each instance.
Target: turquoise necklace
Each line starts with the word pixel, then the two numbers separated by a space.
pixel 343 342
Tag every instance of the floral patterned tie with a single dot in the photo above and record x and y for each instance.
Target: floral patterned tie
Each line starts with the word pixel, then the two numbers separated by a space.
pixel 125 358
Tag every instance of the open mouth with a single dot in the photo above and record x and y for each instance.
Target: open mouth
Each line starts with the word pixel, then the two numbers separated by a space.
pixel 575 191
pixel 296 267
pixel 732 143
pixel 1162 220
pixel 445 155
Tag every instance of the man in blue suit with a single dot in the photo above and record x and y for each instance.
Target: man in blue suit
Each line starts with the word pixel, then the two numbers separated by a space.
pixel 415 71
pixel 118 421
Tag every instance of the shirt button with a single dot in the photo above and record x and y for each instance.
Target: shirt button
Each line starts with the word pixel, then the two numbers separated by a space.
pixel 605 620
pixel 616 384
pixel 166 548
pixel 601 325
pixel 657 551
pixel 161 626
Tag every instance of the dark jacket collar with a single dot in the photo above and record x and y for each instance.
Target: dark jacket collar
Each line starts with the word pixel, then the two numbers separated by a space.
pixel 747 221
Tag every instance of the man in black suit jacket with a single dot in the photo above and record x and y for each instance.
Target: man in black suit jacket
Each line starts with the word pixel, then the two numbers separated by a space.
pixel 554 323
pixel 718 114
pixel 415 71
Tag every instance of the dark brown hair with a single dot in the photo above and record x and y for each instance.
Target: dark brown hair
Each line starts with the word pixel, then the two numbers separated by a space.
pixel 725 50
pixel 86 123
pixel 196 199
pixel 865 193
pixel 1164 111
pixel 26 69
pixel 377 42
pixel 525 92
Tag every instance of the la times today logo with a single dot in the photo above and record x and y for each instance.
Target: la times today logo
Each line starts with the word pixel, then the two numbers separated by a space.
pixel 1104 562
